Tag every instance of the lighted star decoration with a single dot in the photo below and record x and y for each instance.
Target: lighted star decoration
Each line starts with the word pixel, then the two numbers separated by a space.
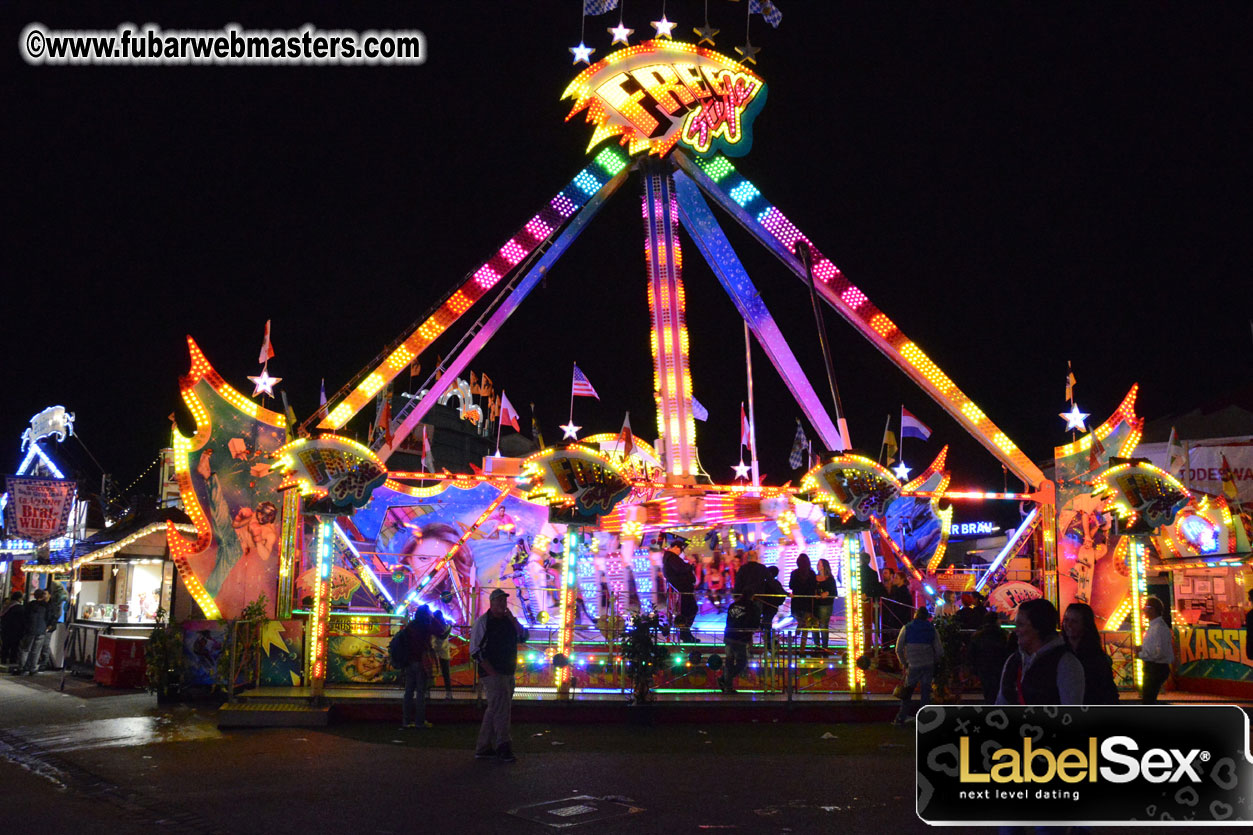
pixel 1074 418
pixel 665 29
pixel 620 34
pixel 901 471
pixel 747 52
pixel 741 470
pixel 582 53
pixel 570 431
pixel 706 33
pixel 264 383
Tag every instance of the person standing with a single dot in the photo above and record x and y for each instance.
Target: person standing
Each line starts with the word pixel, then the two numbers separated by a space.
pixel 770 598
pixel 742 620
pixel 681 577
pixel 1043 671
pixel 1084 640
pixel 417 670
pixel 35 614
pixel 12 626
pixel 824 604
pixel 804 585
pixel 918 648
pixel 494 645
pixel 1157 651
pixel 872 588
pixel 988 650
pixel 441 648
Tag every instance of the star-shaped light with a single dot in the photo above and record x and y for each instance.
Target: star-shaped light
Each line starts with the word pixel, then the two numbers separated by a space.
pixel 901 471
pixel 664 27
pixel 741 470
pixel 747 51
pixel 264 383
pixel 582 53
pixel 620 33
pixel 570 431
pixel 1074 418
pixel 706 33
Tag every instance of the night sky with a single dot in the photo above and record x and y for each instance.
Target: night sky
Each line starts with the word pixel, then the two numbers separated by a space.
pixel 1016 185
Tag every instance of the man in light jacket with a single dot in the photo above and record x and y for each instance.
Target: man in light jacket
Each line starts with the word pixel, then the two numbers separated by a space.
pixel 918 648
pixel 1157 652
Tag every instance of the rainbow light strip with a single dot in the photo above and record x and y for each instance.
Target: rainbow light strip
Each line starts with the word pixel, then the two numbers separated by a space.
pixel 321 610
pixel 538 229
pixel 667 304
pixel 1018 539
pixel 854 616
pixel 180 547
pixel 1139 591
pixel 287 555
pixel 565 637
pixel 718 178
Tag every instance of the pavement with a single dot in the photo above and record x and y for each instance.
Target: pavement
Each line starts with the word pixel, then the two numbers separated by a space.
pixel 94 760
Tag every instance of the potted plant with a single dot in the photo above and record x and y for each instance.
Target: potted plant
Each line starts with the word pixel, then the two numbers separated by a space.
pixel 164 659
pixel 643 654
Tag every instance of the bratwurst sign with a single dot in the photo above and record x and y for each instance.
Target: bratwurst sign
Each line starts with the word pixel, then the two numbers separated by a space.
pixel 39 508
pixel 662 93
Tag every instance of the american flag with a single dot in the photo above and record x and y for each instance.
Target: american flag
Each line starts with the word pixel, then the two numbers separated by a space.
pixel 580 387
pixel 766 9
pixel 799 443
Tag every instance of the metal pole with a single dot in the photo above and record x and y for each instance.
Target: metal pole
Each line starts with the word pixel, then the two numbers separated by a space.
pixel 806 257
pixel 752 413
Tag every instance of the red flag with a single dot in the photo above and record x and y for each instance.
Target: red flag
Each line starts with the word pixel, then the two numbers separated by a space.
pixel 625 438
pixel 267 350
pixel 508 414
pixel 428 463
pixel 743 427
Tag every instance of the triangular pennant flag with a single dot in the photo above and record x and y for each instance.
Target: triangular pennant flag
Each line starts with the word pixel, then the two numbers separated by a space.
pixel 797 458
pixel 322 394
pixel 625 439
pixel 508 414
pixel 1070 383
pixel 744 428
pixel 267 349
pixel 535 433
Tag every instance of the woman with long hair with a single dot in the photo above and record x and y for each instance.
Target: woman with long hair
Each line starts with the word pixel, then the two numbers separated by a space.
pixel 1084 640
pixel 824 604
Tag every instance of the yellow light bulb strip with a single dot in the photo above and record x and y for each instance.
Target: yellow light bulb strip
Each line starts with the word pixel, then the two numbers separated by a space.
pixel 107 551
pixel 1126 411
pixel 321 611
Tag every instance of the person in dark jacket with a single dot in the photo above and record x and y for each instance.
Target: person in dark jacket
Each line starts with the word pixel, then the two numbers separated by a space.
pixel 1084 640
pixel 417 671
pixel 804 585
pixel 1043 671
pixel 824 605
pixel 752 576
pixel 681 576
pixel 770 598
pixel 989 647
pixel 494 643
pixel 36 634
pixel 742 620
pixel 12 627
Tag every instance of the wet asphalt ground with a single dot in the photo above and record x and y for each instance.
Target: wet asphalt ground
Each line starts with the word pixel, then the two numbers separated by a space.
pixel 87 760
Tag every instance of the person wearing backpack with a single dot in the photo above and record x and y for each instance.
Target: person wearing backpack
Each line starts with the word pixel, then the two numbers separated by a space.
pixel 410 652
pixel 918 648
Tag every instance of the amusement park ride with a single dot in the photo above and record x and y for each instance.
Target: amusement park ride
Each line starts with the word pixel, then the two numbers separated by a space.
pixel 349 534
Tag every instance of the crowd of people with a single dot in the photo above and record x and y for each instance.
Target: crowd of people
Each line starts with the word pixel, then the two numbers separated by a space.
pixel 26 628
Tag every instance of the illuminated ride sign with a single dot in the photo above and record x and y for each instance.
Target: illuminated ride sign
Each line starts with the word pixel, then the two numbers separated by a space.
pixel 344 471
pixel 852 486
pixel 661 93
pixel 1145 497
pixel 576 482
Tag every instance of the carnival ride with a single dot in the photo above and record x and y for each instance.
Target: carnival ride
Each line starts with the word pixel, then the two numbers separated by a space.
pixel 584 519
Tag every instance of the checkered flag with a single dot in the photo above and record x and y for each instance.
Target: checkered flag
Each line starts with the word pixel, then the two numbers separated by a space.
pixel 797 459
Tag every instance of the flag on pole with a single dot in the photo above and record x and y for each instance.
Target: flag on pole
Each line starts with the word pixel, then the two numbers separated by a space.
pixel 535 433
pixel 625 439
pixel 508 414
pixel 1070 383
pixel 744 428
pixel 889 443
pixel 797 458
pixel 428 462
pixel 912 427
pixel 474 384
pixel 414 368
pixel 385 414
pixel 580 387
pixel 486 387
pixel 699 411
pixel 322 394
pixel 1177 460
pixel 595 7
pixel 766 9
pixel 267 350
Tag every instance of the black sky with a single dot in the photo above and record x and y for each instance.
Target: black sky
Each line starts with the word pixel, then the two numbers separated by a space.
pixel 1015 184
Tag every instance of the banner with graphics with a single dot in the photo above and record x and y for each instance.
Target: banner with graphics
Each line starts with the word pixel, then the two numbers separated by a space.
pixel 1092 766
pixel 39 508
